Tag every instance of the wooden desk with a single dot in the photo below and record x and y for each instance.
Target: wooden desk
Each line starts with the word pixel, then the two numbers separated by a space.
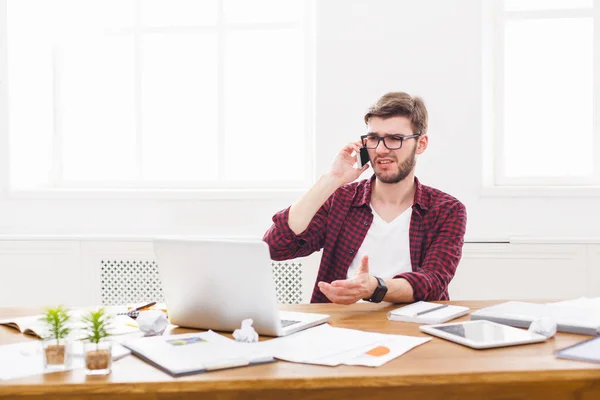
pixel 436 370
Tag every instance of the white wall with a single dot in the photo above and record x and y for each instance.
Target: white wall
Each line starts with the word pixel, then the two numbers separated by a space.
pixel 365 48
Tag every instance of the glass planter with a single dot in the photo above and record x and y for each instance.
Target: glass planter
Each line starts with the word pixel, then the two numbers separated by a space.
pixel 98 358
pixel 56 354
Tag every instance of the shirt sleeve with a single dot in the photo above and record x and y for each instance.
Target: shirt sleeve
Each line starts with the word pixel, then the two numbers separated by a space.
pixel 431 279
pixel 284 244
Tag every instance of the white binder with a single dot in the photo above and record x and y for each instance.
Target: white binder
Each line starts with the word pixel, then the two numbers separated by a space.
pixel 571 319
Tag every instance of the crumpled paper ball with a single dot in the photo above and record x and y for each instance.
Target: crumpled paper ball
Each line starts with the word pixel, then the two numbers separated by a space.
pixel 246 333
pixel 152 322
pixel 544 326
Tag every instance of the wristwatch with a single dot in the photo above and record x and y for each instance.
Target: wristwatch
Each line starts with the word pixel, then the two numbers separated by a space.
pixel 379 293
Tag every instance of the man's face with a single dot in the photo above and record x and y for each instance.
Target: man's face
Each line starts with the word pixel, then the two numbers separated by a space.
pixel 392 166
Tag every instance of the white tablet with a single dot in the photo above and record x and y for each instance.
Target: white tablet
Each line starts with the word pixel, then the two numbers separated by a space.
pixel 482 334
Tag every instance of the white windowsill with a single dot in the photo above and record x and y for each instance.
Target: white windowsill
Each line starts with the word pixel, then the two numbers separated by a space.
pixel 158 194
pixel 113 238
pixel 554 240
pixel 149 238
pixel 540 191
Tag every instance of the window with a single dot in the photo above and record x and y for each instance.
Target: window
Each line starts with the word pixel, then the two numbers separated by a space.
pixel 544 91
pixel 159 93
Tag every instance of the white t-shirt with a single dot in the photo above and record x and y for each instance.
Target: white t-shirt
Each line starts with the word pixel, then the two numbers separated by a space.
pixel 388 246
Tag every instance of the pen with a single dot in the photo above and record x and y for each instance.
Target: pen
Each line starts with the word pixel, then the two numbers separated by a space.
pixel 134 312
pixel 432 309
pixel 144 306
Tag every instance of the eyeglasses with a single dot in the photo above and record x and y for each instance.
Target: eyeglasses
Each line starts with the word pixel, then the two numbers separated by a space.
pixel 390 142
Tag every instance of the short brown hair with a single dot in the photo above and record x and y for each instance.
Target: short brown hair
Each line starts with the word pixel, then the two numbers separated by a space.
pixel 400 104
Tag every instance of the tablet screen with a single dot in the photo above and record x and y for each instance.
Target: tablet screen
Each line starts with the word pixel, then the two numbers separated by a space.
pixel 484 332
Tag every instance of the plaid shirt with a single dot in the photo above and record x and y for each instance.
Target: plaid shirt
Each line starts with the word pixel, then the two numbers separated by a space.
pixel 437 230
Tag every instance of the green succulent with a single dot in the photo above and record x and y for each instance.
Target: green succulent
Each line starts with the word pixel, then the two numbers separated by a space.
pixel 56 320
pixel 96 325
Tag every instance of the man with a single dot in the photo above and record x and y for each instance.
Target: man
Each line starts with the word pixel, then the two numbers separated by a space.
pixel 385 238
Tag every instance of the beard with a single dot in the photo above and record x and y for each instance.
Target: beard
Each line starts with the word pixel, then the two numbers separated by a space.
pixel 403 171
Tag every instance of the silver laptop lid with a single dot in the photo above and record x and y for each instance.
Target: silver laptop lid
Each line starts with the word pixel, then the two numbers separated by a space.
pixel 215 284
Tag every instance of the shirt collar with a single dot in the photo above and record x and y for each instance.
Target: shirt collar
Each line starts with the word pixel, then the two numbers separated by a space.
pixel 420 196
pixel 364 198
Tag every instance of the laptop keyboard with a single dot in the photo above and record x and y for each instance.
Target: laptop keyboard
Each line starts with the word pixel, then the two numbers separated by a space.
pixel 287 322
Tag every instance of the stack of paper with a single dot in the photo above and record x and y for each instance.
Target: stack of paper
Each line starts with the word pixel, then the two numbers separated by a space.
pixel 326 345
pixel 201 352
pixel 574 316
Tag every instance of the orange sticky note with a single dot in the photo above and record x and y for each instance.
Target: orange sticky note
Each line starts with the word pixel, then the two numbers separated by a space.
pixel 378 351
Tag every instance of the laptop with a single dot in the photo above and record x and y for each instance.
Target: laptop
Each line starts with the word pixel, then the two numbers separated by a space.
pixel 215 284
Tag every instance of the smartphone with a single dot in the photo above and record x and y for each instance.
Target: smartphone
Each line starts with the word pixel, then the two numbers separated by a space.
pixel 363 158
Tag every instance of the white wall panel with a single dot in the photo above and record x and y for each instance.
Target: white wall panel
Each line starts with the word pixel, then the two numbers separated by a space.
pixel 520 271
pixel 45 273
pixel 593 271
pixel 40 273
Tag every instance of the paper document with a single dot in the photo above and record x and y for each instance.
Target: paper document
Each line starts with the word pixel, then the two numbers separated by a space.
pixel 26 359
pixel 326 345
pixel 592 303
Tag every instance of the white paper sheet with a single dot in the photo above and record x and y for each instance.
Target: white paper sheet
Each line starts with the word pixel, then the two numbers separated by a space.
pixel 25 359
pixel 326 345
pixel 582 302
pixel 387 350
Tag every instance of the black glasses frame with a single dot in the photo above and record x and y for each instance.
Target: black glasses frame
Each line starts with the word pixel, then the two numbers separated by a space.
pixel 382 138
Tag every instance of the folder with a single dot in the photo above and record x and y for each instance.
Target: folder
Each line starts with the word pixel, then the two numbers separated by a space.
pixel 193 353
pixel 588 350
pixel 570 319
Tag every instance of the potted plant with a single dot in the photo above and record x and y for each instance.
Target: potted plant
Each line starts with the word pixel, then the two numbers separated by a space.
pixel 57 355
pixel 97 351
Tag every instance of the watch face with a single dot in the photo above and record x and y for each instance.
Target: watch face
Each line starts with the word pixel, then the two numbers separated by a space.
pixel 380 291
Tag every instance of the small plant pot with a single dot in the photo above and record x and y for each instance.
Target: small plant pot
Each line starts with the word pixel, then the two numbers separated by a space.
pixel 57 355
pixel 98 358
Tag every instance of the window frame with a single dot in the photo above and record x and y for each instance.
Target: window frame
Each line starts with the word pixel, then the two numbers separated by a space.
pixel 201 189
pixel 533 186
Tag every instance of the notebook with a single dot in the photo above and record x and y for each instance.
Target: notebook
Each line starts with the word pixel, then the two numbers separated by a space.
pixel 427 313
pixel 216 284
pixel 31 325
pixel 570 319
pixel 193 353
pixel 588 350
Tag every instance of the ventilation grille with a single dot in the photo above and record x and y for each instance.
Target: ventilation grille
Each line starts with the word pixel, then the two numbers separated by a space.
pixel 126 281
pixel 288 282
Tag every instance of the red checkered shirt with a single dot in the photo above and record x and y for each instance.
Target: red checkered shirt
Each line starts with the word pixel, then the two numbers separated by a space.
pixel 437 229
